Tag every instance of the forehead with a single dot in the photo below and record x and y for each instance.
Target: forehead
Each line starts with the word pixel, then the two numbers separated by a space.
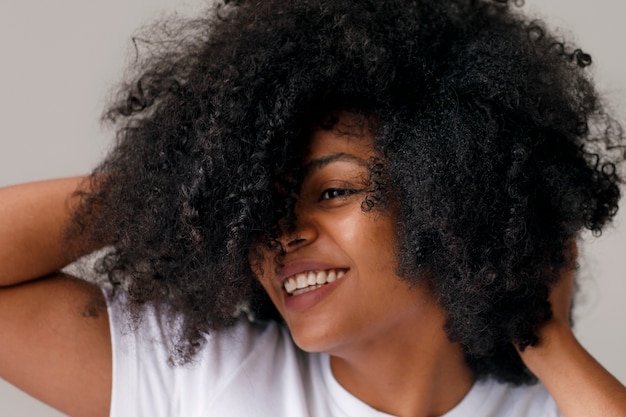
pixel 350 135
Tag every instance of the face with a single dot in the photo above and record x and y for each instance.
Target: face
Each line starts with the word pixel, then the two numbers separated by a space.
pixel 338 288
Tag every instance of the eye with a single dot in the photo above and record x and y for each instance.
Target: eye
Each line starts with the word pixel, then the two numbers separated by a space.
pixel 332 193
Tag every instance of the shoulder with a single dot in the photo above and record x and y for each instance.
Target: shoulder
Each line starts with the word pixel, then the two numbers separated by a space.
pixel 244 361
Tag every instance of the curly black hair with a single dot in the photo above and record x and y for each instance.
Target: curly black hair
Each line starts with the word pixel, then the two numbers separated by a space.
pixel 491 137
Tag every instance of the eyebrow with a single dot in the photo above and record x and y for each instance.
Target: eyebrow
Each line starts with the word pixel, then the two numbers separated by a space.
pixel 319 163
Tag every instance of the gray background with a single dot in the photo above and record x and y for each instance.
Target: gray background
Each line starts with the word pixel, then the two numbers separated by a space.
pixel 59 60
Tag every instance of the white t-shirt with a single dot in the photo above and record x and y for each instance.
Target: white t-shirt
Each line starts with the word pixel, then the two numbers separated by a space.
pixel 256 370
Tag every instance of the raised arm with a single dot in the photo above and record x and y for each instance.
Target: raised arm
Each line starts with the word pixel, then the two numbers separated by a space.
pixel 577 382
pixel 32 221
pixel 55 342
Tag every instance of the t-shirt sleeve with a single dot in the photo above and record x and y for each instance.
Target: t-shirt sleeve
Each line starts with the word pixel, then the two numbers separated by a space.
pixel 137 389
pixel 147 383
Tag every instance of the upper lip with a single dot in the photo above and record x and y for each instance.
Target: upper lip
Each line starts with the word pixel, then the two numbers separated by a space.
pixel 296 267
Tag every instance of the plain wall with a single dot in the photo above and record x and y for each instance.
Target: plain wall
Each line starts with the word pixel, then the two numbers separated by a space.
pixel 60 59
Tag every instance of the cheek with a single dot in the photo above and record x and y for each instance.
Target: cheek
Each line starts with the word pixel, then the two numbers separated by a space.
pixel 263 265
pixel 376 233
pixel 378 247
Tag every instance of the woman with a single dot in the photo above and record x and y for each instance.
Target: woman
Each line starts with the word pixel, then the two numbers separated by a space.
pixel 397 187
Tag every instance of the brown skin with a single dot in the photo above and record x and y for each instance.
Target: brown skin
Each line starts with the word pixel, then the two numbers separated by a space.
pixel 34 216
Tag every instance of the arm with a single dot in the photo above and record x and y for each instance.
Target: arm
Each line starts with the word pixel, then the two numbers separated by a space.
pixel 55 342
pixel 32 221
pixel 577 382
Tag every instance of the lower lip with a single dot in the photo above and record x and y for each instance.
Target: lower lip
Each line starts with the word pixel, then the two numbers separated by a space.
pixel 298 303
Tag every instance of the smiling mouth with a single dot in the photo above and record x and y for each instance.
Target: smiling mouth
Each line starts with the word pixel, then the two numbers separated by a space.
pixel 311 280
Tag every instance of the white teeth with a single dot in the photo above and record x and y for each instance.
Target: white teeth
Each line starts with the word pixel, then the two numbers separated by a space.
pixel 307 289
pixel 310 280
pixel 290 285
pixel 301 281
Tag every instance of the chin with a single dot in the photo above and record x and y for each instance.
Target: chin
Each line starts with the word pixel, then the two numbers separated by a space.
pixel 322 338
pixel 317 339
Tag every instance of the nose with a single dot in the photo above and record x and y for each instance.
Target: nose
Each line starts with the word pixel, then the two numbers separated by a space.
pixel 304 232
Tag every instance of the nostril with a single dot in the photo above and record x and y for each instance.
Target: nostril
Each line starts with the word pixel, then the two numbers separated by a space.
pixel 295 241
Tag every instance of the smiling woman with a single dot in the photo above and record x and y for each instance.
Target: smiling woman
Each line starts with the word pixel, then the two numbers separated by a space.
pixel 365 310
pixel 333 237
pixel 326 208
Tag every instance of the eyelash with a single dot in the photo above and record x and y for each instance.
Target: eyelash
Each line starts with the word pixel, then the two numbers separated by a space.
pixel 332 193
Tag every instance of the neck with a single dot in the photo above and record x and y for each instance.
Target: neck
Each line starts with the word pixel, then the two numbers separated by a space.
pixel 421 374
